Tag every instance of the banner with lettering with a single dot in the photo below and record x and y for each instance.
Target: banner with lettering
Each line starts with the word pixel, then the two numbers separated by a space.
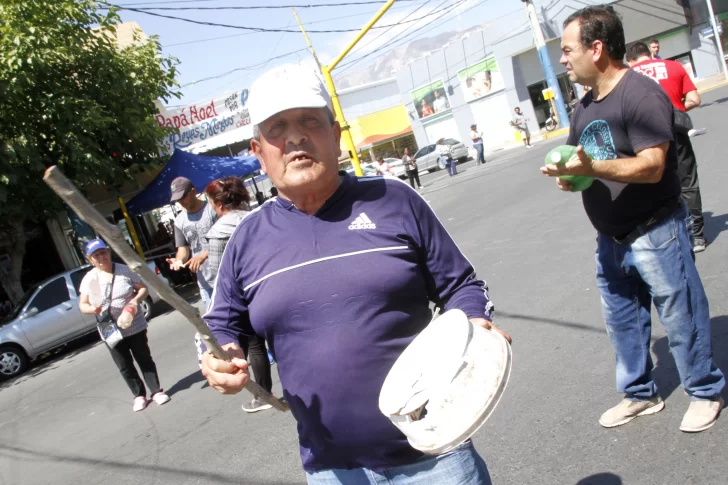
pixel 201 121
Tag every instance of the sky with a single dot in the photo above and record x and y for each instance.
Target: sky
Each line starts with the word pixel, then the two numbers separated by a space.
pixel 206 51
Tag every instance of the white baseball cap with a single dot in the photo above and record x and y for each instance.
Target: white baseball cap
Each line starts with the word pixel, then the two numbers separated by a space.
pixel 286 87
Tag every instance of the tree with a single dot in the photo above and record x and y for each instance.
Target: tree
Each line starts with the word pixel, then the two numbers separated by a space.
pixel 70 96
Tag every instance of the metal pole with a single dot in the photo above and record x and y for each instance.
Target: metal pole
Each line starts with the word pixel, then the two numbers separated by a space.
pixel 305 36
pixel 132 230
pixel 548 68
pixel 338 111
pixel 718 41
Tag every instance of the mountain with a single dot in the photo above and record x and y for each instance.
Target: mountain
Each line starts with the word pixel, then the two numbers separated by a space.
pixel 386 65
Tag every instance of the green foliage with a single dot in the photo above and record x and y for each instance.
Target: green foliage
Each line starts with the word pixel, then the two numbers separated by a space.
pixel 70 97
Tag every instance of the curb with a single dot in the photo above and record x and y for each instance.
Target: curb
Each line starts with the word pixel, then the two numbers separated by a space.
pixel 714 86
pixel 554 134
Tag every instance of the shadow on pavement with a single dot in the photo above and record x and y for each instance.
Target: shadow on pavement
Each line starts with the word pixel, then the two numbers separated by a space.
pixel 601 479
pixel 717 101
pixel 19 453
pixel 665 372
pixel 551 321
pixel 187 382
pixel 50 360
pixel 714 225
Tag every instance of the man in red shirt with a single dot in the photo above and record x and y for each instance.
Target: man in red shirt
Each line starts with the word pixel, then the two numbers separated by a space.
pixel 673 78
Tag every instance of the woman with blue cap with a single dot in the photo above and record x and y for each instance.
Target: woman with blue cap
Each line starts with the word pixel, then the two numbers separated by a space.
pixel 108 291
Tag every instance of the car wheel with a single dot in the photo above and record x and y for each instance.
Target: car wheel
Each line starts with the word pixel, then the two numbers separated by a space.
pixel 13 361
pixel 146 308
pixel 441 165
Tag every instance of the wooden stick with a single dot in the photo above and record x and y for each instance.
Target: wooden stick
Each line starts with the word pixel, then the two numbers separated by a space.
pixel 113 237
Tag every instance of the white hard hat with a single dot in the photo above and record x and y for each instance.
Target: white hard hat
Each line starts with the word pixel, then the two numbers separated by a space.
pixel 446 383
pixel 286 87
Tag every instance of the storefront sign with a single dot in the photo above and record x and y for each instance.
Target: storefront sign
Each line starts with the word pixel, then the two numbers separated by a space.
pixel 204 120
pixel 481 79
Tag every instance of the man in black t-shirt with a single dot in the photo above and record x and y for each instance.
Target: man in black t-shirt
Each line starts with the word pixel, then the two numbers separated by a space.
pixel 624 130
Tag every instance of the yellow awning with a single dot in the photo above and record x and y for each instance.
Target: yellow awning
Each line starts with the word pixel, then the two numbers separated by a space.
pixel 380 126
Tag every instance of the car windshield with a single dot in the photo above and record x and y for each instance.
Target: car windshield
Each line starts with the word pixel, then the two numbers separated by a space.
pixel 17 308
pixel 450 141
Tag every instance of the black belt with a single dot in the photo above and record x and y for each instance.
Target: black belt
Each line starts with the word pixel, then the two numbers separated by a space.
pixel 660 215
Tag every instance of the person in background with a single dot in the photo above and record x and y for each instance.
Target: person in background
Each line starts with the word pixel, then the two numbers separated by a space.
pixel 673 78
pixel 440 103
pixel 655 49
pixel 425 109
pixel 644 254
pixel 6 309
pixel 445 151
pixel 120 287
pixel 383 168
pixel 520 122
pixel 410 165
pixel 190 227
pixel 477 138
pixel 273 192
pixel 231 202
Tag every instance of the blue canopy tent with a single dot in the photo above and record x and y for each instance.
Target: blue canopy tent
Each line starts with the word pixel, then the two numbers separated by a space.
pixel 200 169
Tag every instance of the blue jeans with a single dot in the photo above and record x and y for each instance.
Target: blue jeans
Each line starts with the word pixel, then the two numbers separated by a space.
pixel 461 466
pixel 450 164
pixel 480 157
pixel 659 268
pixel 205 294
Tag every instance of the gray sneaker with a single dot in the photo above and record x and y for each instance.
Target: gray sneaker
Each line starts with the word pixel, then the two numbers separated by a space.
pixel 699 245
pixel 256 405
pixel 627 410
pixel 701 415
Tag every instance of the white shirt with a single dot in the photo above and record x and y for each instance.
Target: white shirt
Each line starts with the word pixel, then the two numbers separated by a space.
pixel 440 104
pixel 476 137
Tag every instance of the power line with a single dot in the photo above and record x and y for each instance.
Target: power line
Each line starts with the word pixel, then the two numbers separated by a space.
pixel 396 7
pixel 395 39
pixel 348 65
pixel 266 7
pixel 357 48
pixel 260 29
pixel 244 68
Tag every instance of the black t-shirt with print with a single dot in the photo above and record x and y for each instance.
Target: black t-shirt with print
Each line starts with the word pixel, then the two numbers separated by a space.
pixel 636 115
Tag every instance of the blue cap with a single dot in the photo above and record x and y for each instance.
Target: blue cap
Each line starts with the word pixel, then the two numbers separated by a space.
pixel 94 245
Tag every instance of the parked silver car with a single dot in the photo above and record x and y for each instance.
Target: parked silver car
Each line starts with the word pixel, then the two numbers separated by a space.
pixel 47 317
pixel 428 158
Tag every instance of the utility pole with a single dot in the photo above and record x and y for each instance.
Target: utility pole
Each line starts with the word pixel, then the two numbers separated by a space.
pixel 548 68
pixel 305 36
pixel 718 42
pixel 326 71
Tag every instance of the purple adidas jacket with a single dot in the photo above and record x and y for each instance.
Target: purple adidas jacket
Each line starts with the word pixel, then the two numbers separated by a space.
pixel 339 296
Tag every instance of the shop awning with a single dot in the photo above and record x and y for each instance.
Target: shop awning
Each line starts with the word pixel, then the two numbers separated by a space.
pixel 200 169
pixel 379 127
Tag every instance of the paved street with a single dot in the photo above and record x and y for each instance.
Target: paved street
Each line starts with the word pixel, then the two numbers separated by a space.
pixel 69 420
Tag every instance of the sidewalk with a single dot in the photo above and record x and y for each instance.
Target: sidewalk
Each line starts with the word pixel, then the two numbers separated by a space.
pixel 710 83
pixel 540 136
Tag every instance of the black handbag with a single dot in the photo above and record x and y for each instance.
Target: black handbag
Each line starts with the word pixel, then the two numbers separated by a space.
pixel 683 123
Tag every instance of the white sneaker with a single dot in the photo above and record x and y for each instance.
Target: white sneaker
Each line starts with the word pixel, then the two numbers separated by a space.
pixel 699 131
pixel 701 415
pixel 627 410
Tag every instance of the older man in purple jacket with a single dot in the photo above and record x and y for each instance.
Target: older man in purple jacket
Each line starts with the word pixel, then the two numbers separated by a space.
pixel 339 281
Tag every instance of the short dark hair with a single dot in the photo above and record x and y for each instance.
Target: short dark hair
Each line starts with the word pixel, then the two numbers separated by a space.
pixel 655 41
pixel 601 23
pixel 637 50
